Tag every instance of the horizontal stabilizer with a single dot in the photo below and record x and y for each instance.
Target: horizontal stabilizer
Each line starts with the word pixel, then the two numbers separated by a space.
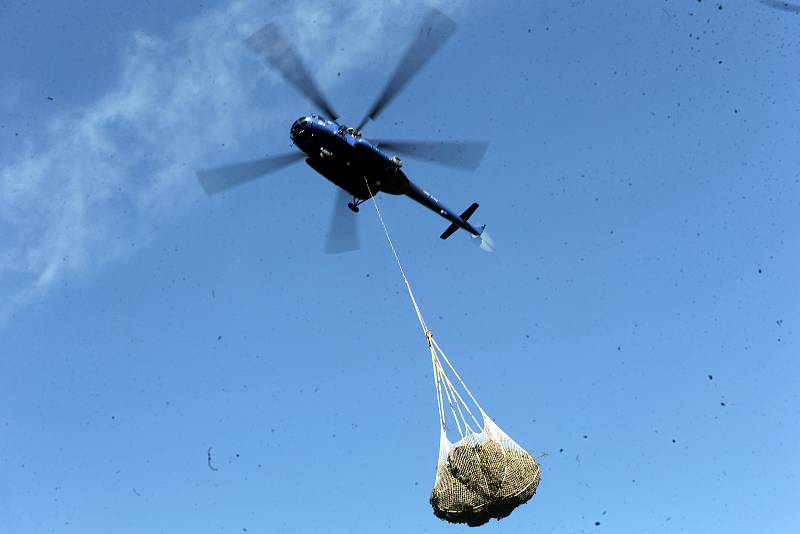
pixel 464 216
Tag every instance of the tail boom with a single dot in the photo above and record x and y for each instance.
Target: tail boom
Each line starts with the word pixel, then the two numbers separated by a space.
pixel 432 203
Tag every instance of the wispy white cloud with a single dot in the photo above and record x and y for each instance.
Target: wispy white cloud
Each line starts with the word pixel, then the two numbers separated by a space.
pixel 98 177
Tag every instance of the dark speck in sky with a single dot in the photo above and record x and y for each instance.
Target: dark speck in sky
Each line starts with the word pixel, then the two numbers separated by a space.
pixel 208 455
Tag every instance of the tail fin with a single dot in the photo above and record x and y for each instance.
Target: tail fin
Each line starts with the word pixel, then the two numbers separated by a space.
pixel 464 216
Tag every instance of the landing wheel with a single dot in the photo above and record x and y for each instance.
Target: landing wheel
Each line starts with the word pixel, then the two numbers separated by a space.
pixel 353 207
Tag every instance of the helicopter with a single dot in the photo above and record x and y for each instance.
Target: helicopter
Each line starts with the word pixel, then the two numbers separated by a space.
pixel 359 167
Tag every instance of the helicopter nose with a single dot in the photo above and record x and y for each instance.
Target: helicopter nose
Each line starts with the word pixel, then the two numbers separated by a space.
pixel 299 126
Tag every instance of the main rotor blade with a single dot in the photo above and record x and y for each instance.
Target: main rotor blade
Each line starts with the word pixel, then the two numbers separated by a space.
pixel 435 31
pixel 270 43
pixel 222 178
pixel 460 154
pixel 343 231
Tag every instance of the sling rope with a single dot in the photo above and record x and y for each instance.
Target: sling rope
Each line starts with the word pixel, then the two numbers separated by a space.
pixel 440 378
pixel 397 259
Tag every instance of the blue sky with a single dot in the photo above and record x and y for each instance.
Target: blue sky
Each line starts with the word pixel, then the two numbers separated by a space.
pixel 637 323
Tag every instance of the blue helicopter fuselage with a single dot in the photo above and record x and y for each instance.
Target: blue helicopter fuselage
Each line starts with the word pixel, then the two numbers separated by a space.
pixel 359 167
pixel 342 156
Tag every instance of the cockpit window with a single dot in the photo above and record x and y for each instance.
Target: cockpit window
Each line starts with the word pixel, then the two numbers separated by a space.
pixel 300 126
